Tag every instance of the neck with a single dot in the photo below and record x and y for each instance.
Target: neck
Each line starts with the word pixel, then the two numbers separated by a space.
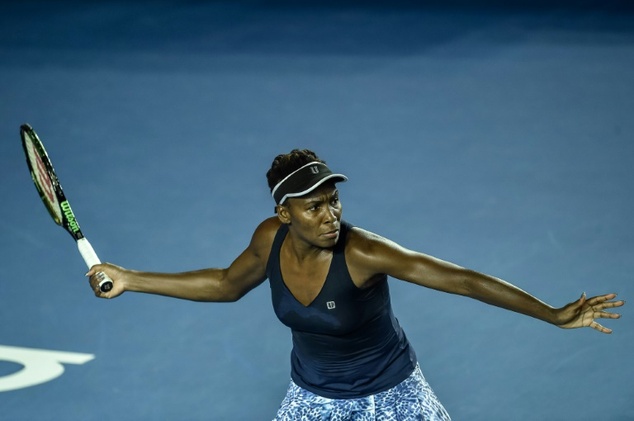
pixel 303 251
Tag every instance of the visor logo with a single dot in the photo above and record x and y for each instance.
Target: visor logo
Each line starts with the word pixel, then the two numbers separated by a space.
pixel 314 169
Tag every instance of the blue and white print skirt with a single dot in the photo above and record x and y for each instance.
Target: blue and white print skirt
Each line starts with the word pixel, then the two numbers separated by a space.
pixel 411 400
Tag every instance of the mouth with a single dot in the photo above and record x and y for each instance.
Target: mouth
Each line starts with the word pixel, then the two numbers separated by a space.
pixel 331 234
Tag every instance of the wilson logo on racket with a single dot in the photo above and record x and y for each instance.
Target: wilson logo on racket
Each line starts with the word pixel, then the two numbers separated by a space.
pixel 70 217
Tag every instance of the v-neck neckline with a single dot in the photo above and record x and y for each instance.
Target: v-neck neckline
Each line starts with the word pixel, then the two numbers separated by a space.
pixel 323 285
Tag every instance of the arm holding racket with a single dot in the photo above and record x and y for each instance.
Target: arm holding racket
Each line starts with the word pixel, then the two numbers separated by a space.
pixel 206 285
pixel 212 285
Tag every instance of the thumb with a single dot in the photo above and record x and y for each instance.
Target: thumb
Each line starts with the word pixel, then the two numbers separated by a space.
pixel 581 301
pixel 91 271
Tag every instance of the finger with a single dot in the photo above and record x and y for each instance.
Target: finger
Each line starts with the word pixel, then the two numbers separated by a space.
pixel 91 271
pixel 601 299
pixel 578 304
pixel 606 315
pixel 610 304
pixel 95 281
pixel 99 293
pixel 600 328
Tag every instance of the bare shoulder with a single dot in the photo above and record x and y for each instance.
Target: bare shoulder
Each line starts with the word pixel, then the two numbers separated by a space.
pixel 367 254
pixel 269 226
pixel 362 242
pixel 264 235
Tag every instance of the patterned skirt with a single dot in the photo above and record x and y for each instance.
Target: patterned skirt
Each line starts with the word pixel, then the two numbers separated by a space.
pixel 411 400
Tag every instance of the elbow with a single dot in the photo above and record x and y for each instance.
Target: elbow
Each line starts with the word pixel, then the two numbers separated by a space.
pixel 226 288
pixel 223 292
pixel 231 297
pixel 217 298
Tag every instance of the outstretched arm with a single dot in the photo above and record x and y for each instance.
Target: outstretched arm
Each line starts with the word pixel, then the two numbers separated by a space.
pixel 374 254
pixel 230 284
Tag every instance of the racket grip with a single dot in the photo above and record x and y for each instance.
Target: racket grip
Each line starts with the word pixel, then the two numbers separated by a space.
pixel 91 259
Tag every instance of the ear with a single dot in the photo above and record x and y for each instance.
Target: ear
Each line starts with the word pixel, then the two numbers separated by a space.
pixel 283 214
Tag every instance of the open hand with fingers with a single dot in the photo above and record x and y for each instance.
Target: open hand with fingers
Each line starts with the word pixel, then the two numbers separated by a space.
pixel 584 312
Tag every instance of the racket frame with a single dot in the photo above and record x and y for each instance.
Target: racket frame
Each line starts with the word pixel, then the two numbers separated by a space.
pixel 55 200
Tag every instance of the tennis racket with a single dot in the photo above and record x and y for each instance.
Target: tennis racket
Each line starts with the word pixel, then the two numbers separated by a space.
pixel 51 193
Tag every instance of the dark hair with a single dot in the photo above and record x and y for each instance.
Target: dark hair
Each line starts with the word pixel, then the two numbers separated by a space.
pixel 285 164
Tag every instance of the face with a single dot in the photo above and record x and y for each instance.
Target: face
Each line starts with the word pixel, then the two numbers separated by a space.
pixel 314 218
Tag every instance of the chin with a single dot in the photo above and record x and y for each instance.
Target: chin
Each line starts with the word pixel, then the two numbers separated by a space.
pixel 329 242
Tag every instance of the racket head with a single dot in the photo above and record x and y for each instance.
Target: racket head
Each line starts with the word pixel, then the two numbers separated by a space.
pixel 47 183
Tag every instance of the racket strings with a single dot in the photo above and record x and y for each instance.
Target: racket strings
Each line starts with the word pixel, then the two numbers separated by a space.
pixel 42 180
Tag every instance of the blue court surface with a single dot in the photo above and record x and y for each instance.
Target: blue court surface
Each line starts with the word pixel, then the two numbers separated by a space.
pixel 497 137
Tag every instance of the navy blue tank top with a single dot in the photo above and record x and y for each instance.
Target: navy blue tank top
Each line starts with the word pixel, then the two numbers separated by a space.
pixel 347 342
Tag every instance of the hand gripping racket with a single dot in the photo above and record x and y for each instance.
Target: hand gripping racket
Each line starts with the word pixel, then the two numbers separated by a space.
pixel 52 195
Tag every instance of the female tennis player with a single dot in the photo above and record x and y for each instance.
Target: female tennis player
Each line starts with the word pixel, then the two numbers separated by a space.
pixel 350 358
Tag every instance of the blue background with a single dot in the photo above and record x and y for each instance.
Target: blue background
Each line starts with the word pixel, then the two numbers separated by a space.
pixel 496 137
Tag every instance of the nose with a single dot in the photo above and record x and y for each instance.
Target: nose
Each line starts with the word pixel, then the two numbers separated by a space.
pixel 331 214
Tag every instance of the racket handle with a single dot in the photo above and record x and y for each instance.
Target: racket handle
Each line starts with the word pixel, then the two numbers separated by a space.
pixel 91 259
